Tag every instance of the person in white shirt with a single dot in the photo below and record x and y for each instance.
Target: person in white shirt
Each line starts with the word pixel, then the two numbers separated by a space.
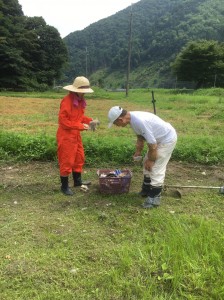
pixel 161 140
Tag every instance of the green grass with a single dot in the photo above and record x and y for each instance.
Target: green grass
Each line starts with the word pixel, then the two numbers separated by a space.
pixel 96 246
pixel 197 117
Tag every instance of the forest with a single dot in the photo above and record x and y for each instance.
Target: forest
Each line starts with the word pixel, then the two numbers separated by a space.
pixel 171 43
pixel 26 56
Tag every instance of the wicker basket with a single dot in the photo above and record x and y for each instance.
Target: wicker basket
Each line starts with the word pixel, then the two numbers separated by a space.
pixel 114 185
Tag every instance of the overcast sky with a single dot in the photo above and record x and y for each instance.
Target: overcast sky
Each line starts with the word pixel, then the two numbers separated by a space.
pixel 71 15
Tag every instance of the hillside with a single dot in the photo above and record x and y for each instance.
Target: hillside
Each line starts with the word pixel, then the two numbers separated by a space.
pixel 159 30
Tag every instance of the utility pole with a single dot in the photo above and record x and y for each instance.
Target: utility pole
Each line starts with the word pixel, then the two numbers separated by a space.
pixel 215 80
pixel 86 61
pixel 129 52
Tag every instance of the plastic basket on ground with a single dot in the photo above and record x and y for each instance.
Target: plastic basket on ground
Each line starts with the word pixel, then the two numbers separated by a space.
pixel 113 182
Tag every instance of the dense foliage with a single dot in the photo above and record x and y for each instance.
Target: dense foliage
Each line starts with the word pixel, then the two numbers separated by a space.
pixel 32 53
pixel 160 29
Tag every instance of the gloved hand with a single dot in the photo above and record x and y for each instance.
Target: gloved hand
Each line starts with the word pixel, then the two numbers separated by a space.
pixel 93 124
pixel 86 126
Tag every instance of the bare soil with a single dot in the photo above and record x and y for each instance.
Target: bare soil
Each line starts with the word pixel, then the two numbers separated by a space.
pixel 47 173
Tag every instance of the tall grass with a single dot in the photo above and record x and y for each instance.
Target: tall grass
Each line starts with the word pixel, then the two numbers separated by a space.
pixel 23 147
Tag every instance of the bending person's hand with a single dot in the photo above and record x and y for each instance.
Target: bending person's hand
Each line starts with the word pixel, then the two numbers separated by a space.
pixel 149 164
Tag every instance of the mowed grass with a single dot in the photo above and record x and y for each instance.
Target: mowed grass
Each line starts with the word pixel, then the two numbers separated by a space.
pixel 96 246
pixel 195 115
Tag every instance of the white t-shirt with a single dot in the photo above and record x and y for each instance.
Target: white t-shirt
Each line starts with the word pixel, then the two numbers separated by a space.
pixel 152 128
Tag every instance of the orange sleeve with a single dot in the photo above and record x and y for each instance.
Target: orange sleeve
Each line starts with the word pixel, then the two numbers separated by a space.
pixel 65 117
pixel 86 120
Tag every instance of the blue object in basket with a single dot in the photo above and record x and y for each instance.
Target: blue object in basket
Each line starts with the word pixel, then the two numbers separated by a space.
pixel 117 172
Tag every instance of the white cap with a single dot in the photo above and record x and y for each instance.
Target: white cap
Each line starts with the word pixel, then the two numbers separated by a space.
pixel 113 114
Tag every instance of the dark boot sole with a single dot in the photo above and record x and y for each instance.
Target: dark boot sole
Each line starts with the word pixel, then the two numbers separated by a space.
pixel 67 192
pixel 82 183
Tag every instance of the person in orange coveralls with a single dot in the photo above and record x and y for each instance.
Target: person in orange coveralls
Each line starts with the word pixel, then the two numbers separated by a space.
pixel 72 121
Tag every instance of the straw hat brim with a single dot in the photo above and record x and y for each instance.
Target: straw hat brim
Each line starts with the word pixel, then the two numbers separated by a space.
pixel 71 88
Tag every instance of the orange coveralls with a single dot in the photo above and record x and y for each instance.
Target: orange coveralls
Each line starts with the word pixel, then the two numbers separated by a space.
pixel 70 148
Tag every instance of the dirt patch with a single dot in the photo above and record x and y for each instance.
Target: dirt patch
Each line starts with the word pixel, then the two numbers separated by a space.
pixel 39 182
pixel 47 173
pixel 193 174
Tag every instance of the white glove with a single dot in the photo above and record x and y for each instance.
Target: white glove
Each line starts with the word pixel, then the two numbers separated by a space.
pixel 93 124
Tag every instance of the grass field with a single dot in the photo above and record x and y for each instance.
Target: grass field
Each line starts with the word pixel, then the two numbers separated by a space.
pixel 96 246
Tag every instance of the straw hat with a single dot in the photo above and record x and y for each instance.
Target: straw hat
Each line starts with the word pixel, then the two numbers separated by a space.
pixel 80 85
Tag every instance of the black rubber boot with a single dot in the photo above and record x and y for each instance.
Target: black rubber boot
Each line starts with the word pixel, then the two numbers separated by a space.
pixel 146 187
pixel 154 197
pixel 78 179
pixel 155 191
pixel 64 186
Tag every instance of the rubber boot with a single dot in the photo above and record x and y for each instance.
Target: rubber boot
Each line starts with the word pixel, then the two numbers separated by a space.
pixel 78 179
pixel 64 186
pixel 148 203
pixel 146 187
pixel 154 198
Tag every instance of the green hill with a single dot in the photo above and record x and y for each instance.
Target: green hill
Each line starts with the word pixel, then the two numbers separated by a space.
pixel 159 30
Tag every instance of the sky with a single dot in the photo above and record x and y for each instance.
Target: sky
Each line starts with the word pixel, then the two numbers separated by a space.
pixel 71 15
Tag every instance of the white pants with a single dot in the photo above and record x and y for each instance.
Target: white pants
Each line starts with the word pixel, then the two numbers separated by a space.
pixel 158 172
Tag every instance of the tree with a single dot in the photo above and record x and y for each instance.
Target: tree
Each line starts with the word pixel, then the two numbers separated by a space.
pixel 48 53
pixel 201 62
pixel 12 64
pixel 32 54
